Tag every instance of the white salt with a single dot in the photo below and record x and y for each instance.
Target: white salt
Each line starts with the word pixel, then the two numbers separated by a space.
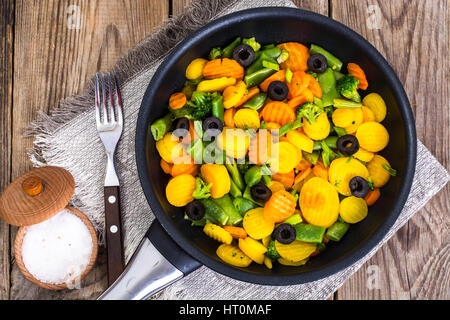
pixel 57 250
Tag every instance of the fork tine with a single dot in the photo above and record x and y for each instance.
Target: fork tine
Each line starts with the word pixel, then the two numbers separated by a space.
pixel 112 115
pixel 118 99
pixel 104 102
pixel 97 101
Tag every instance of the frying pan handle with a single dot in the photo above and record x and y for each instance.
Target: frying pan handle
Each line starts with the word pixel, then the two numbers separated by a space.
pixel 157 263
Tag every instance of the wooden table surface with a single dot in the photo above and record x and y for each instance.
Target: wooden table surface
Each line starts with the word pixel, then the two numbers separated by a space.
pixel 46 54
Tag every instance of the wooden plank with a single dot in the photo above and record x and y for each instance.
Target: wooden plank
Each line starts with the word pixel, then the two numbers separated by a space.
pixel 54 57
pixel 6 87
pixel 413 37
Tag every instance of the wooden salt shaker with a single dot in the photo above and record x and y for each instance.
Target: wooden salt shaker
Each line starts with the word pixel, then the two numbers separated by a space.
pixel 37 196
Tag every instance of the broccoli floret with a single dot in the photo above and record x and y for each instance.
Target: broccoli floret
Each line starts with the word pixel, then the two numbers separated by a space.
pixel 202 190
pixel 252 43
pixel 197 108
pixel 309 111
pixel 215 53
pixel 347 86
pixel 272 251
pixel 243 167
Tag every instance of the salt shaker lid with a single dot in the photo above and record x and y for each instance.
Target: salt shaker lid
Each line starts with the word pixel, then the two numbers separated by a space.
pixel 36 196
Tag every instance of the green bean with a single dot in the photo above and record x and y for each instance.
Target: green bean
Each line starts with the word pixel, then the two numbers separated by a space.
pixel 215 212
pixel 161 126
pixel 309 233
pixel 217 109
pixel 234 217
pixel 337 230
pixel 235 175
pixel 333 62
pixel 227 52
pixel 257 77
pixel 256 102
pixel 330 141
pixel 234 190
pixel 290 126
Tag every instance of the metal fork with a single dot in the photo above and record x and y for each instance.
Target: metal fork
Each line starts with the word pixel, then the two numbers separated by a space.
pixel 109 126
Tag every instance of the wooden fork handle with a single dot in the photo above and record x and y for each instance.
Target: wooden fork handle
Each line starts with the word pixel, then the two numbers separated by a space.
pixel 113 231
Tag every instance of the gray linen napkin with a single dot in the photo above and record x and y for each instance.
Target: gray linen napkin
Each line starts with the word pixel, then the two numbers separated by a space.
pixel 68 138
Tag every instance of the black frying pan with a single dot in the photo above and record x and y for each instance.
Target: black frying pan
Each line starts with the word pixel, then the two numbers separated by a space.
pixel 172 248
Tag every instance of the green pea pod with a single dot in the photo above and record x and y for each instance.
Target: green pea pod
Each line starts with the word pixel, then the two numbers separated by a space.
pixel 234 190
pixel 330 142
pixel 337 230
pixel 235 175
pixel 215 212
pixel 256 102
pixel 293 220
pixel 343 103
pixel 309 233
pixel 272 52
pixel 161 126
pixel 253 176
pixel 290 126
pixel 243 205
pixel 269 55
pixel 227 52
pixel 327 83
pixel 333 62
pixel 311 157
pixel 217 109
pixel 234 217
pixel 257 77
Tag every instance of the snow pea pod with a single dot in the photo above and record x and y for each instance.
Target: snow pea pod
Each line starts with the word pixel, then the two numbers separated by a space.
pixel 253 176
pixel 309 233
pixel 327 83
pixel 332 61
pixel 234 217
pixel 235 175
pixel 161 126
pixel 337 230
pixel 330 141
pixel 256 102
pixel 215 212
pixel 257 77
pixel 227 52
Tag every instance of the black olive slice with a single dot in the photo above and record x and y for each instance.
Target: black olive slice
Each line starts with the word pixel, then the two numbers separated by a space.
pixel 285 233
pixel 359 187
pixel 195 210
pixel 260 192
pixel 244 55
pixel 347 144
pixel 212 126
pixel 278 90
pixel 317 63
pixel 181 127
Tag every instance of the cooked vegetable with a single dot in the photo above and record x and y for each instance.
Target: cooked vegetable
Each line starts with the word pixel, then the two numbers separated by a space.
pixel 342 170
pixel 286 160
pixel 218 84
pixel 280 206
pixel 247 119
pixel 236 232
pixel 353 209
pixel 337 230
pixel 234 190
pixel 161 126
pixel 376 103
pixel 252 43
pixel 256 102
pixel 202 190
pixel 260 147
pixel 277 76
pixel 347 87
pixel 379 175
pixel 357 72
pixel 243 205
pixel 333 62
pixel 255 78
pixel 217 175
pixel 372 196
pixel 309 233
pixel 363 155
pixel 290 126
pixel 272 251
pixel 214 212
pixel 298 56
pixel 309 111
pixel 234 141
pixel 197 108
pixel 217 233
pixel 194 70
pixel 372 136
pixel 217 107
pixel 169 148
pixel 233 94
pixel 368 114
pixel 215 53
pixel 227 52
pixel 233 256
pixel 270 65
pixel 179 190
pixel 290 263
pixel 327 83
pixel 295 251
pixel 286 179
pixel 343 103
pixel 256 225
pixel 165 166
pixel 294 219
pixel 184 165
pixel 251 92
pixel 277 111
pixel 252 248
pixel 319 129
pixel 244 55
pixel 177 100
pixel 228 117
pixel 319 202
pixel 226 204
pixel 234 173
